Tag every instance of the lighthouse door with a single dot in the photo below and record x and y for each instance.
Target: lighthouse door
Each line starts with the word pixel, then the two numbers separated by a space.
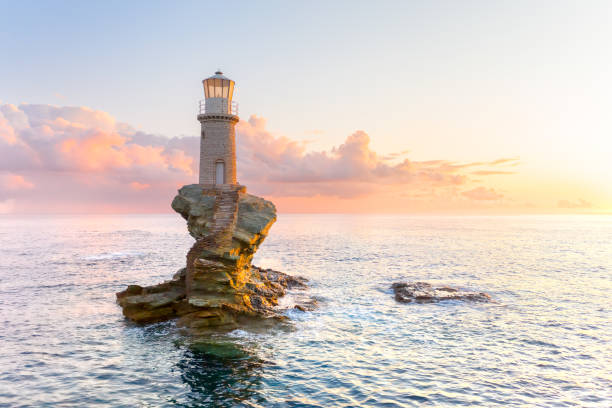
pixel 219 173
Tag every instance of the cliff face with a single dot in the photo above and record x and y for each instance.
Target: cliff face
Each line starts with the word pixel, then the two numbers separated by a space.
pixel 219 286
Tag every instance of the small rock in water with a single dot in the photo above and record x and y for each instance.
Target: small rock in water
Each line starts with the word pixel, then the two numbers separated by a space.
pixel 423 292
pixel 306 306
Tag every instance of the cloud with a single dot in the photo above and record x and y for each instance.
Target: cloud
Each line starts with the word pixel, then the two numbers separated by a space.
pixel 395 156
pixel 7 133
pixel 76 159
pixel 510 161
pixel 578 204
pixel 139 186
pixel 279 166
pixel 482 194
pixel 10 181
pixel 492 172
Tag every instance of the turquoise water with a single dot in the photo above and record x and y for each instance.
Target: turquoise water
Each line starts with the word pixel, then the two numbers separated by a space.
pixel 545 342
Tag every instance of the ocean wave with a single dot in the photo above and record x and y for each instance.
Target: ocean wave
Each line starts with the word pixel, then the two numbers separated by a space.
pixel 114 255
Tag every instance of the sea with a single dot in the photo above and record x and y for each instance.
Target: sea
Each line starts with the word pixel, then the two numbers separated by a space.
pixel 544 341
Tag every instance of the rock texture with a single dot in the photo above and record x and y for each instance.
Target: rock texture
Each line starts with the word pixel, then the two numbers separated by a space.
pixel 218 286
pixel 423 292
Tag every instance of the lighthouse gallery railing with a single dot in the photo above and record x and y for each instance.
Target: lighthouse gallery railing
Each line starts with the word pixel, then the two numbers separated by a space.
pixel 233 109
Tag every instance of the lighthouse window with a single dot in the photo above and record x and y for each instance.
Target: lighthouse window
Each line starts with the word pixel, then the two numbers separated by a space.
pixel 225 88
pixel 219 88
pixel 213 88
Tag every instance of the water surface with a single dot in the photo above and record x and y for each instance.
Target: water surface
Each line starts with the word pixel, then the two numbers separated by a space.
pixel 545 342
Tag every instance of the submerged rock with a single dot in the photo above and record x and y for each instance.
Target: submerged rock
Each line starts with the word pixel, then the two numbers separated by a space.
pixel 219 286
pixel 423 292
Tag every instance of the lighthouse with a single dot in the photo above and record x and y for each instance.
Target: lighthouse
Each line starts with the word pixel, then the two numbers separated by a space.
pixel 218 115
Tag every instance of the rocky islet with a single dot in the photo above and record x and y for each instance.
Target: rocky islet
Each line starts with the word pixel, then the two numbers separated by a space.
pixel 219 286
pixel 423 292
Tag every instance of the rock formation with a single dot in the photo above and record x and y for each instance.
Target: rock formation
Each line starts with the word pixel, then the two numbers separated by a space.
pixel 423 292
pixel 219 286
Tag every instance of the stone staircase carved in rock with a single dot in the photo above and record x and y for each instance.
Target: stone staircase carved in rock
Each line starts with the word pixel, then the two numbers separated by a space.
pixel 219 237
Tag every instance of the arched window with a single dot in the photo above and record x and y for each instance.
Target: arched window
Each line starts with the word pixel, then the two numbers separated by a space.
pixel 219 172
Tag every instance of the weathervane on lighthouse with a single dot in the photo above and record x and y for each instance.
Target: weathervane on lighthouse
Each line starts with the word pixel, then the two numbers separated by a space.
pixel 218 115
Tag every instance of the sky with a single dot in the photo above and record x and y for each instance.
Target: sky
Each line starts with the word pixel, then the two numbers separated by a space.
pixel 472 107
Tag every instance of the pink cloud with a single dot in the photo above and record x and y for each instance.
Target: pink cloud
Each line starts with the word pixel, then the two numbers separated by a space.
pixel 278 166
pixel 10 181
pixel 97 150
pixel 80 159
pixel 482 194
pixel 139 186
pixel 7 133
pixel 76 157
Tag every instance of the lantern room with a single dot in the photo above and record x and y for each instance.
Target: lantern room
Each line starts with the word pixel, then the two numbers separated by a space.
pixel 218 91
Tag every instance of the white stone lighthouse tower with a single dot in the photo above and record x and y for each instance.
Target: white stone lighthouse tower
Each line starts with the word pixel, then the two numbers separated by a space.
pixel 218 115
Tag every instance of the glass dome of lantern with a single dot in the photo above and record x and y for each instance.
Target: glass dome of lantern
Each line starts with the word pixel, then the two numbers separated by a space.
pixel 218 91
